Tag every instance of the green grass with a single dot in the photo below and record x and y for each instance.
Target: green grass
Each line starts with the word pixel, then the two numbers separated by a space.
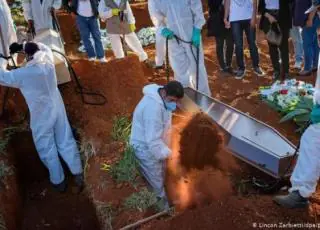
pixel 126 170
pixel 7 134
pixel 121 129
pixel 2 223
pixel 105 213
pixel 5 170
pixel 141 201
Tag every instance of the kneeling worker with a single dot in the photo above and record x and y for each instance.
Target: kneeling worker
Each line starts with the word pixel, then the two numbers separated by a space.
pixel 50 127
pixel 150 132
pixel 306 173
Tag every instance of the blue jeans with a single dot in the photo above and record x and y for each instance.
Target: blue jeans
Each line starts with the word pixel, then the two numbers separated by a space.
pixel 86 27
pixel 310 45
pixel 296 36
pixel 238 27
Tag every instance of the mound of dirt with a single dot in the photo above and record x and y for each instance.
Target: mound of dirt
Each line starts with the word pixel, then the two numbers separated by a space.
pixel 120 81
pixel 200 143
pixel 198 160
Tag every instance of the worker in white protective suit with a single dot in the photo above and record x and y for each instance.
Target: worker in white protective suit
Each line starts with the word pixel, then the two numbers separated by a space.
pixel 184 19
pixel 38 14
pixel 305 176
pixel 50 127
pixel 120 22
pixel 7 32
pixel 150 135
pixel 160 40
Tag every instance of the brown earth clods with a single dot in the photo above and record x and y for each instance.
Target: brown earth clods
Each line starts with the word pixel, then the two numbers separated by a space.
pixel 200 143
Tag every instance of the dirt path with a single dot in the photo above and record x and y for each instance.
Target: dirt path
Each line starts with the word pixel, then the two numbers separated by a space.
pixel 43 208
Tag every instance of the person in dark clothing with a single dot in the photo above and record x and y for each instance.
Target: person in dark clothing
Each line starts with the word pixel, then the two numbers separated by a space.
pixel 277 12
pixel 223 36
pixel 309 23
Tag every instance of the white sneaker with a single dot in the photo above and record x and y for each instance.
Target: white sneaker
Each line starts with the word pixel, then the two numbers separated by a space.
pixel 103 60
pixel 92 59
pixel 298 65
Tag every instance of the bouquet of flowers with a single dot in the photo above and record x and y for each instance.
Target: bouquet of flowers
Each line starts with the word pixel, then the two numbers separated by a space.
pixel 292 98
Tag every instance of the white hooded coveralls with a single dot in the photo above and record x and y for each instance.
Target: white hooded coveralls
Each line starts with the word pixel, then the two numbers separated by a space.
pixel 180 16
pixel 160 40
pixel 307 170
pixel 7 34
pixel 150 137
pixel 131 39
pixel 40 13
pixel 50 127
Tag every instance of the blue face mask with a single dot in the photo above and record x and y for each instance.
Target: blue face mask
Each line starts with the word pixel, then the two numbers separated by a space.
pixel 171 106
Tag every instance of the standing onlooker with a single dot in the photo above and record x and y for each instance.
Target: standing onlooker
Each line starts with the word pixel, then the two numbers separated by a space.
pixel 223 35
pixel 160 40
pixel 296 36
pixel 87 22
pixel 309 24
pixel 38 14
pixel 242 14
pixel 120 22
pixel 7 32
pixel 274 14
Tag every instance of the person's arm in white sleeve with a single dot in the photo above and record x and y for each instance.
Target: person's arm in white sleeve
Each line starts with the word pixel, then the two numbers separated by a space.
pixel 154 131
pixel 27 11
pixel 57 4
pixel 47 50
pixel 104 11
pixel 131 19
pixel 197 12
pixel 13 78
pixel 158 15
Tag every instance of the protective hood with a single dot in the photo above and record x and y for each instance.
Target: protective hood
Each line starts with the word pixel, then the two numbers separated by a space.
pixel 152 92
pixel 39 57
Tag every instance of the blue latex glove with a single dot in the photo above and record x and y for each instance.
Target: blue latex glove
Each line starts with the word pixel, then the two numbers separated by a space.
pixel 165 32
pixel 315 114
pixel 196 37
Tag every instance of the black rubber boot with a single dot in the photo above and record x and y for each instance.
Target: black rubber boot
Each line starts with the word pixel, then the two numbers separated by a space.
pixel 79 181
pixel 292 200
pixel 62 187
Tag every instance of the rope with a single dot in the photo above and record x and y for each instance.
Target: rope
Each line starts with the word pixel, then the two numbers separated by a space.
pixel 195 56
pixel 80 89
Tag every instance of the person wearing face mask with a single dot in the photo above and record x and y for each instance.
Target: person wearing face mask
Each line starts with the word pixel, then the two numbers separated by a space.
pixel 150 135
pixel 49 123
pixel 305 176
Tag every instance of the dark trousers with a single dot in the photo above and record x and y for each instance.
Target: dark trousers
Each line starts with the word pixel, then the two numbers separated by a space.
pixel 284 53
pixel 224 48
pixel 238 27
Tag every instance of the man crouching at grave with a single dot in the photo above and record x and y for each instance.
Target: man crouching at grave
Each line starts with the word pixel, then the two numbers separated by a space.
pixel 150 133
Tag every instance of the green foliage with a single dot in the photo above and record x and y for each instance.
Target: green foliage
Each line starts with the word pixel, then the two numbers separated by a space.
pixel 301 114
pixel 141 200
pixel 5 170
pixel 17 14
pixel 2 223
pixel 121 129
pixel 126 170
pixel 7 134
